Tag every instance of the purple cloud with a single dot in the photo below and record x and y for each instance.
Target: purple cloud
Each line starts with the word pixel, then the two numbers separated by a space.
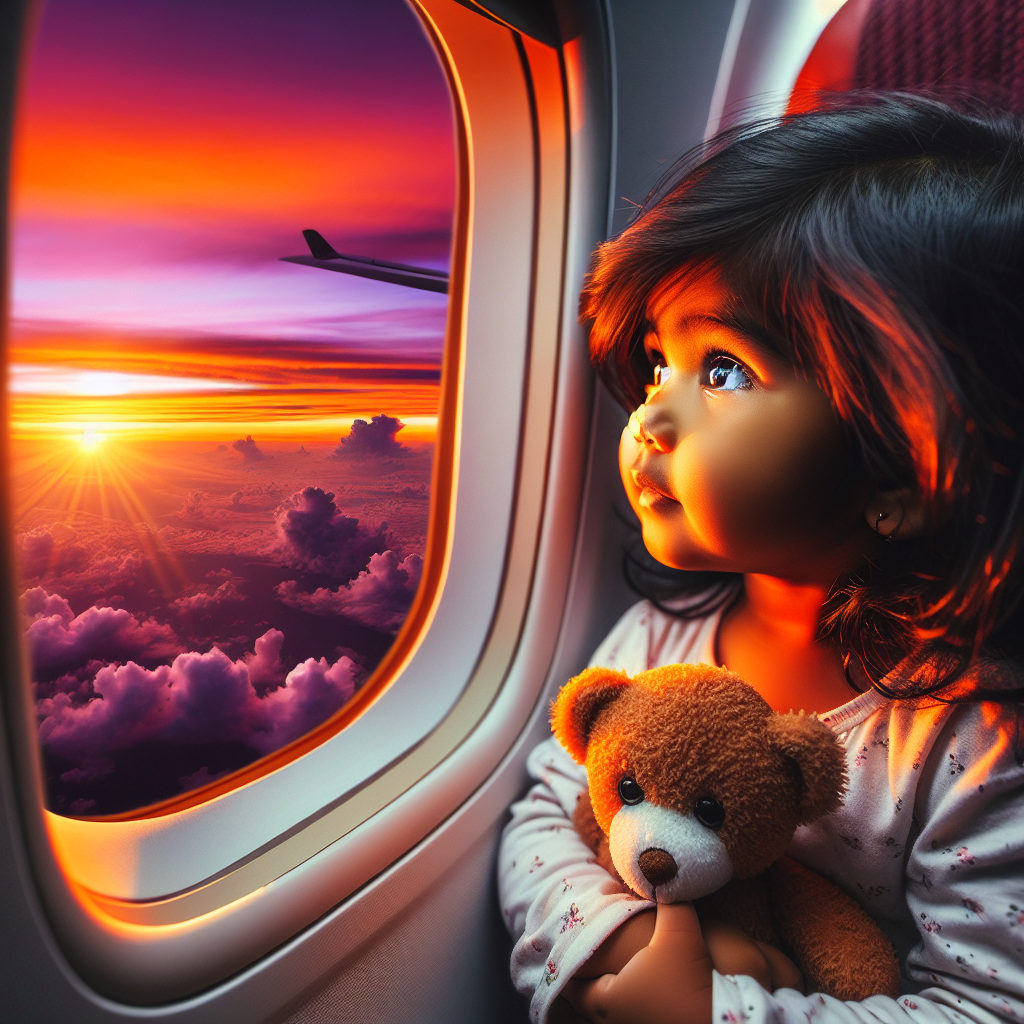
pixel 206 600
pixel 192 506
pixel 86 557
pixel 77 684
pixel 105 572
pixel 312 692
pixel 248 449
pixel 40 553
pixel 59 639
pixel 313 534
pixel 374 439
pixel 264 664
pixel 379 596
pixel 198 698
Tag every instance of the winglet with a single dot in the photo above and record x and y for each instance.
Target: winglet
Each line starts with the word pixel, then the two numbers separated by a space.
pixel 319 247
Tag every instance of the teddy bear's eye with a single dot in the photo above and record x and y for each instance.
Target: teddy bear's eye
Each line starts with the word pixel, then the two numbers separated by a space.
pixel 709 812
pixel 630 791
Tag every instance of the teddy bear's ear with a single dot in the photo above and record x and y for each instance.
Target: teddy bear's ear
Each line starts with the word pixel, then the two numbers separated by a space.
pixel 578 704
pixel 819 759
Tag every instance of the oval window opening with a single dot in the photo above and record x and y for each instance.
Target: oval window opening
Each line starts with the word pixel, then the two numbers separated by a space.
pixel 221 458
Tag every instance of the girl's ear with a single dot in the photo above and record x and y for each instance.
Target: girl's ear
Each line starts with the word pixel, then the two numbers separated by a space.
pixel 820 761
pixel 578 704
pixel 896 515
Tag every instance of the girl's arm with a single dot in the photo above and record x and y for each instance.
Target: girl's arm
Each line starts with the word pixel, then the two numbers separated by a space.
pixel 557 902
pixel 669 981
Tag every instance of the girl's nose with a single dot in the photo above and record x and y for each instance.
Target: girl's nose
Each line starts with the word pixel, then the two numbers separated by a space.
pixel 652 427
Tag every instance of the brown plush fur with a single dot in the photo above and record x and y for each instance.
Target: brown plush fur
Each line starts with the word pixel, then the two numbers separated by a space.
pixel 689 731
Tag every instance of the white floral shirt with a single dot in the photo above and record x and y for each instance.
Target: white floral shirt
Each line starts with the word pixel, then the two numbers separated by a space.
pixel 929 840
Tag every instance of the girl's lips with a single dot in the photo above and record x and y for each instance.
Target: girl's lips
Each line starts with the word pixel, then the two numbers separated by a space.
pixel 652 492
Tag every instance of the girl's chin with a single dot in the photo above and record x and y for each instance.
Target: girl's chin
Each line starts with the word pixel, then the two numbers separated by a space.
pixel 664 545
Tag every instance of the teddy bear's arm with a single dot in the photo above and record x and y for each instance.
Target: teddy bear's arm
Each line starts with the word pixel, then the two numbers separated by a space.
pixel 743 904
pixel 837 945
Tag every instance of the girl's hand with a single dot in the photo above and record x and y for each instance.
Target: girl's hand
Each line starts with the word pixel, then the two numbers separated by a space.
pixel 734 952
pixel 667 982
pixel 620 947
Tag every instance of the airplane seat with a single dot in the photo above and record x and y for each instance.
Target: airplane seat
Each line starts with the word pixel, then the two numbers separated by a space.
pixel 970 48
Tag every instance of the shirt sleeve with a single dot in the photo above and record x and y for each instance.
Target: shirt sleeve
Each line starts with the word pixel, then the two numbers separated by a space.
pixel 964 889
pixel 557 901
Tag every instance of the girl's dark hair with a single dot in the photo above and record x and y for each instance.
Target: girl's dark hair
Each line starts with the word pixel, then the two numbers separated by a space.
pixel 877 244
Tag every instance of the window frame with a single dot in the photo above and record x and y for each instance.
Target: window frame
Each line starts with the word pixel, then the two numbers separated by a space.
pixel 157 908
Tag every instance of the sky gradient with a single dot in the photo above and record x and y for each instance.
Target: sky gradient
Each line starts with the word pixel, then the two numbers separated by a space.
pixel 168 153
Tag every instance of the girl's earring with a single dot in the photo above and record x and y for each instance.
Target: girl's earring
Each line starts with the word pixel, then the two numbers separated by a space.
pixel 881 518
pixel 901 511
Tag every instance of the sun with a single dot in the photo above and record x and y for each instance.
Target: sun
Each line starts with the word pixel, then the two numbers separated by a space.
pixel 90 439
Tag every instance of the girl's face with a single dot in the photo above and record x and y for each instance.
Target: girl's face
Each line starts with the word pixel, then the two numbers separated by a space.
pixel 740 465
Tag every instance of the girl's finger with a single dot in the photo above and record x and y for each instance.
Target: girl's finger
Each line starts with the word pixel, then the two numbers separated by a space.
pixel 785 973
pixel 563 1012
pixel 678 947
pixel 676 925
pixel 589 998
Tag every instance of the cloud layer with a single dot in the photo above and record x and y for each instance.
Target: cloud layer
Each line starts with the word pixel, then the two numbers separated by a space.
pixel 48 551
pixel 379 596
pixel 198 698
pixel 207 600
pixel 89 558
pixel 60 640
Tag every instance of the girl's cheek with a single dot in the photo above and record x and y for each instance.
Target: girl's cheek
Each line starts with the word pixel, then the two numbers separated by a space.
pixel 696 483
pixel 629 448
pixel 763 479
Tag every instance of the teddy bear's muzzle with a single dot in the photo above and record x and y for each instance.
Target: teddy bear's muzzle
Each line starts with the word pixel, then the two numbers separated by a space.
pixel 665 855
pixel 658 866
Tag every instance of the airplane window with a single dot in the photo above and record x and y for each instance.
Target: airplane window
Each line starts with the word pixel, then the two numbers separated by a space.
pixel 221 456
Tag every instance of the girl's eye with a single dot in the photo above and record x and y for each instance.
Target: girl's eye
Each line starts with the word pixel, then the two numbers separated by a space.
pixel 661 374
pixel 630 791
pixel 725 374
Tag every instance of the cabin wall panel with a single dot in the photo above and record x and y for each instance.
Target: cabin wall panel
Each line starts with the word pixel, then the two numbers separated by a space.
pixel 436 961
pixel 667 54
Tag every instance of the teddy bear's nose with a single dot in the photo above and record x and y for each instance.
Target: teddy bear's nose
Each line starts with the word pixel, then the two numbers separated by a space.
pixel 658 866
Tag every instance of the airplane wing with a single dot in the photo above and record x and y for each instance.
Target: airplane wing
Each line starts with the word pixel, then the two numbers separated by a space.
pixel 324 256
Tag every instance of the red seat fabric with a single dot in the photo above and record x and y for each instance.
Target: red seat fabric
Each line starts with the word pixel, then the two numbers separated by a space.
pixel 948 47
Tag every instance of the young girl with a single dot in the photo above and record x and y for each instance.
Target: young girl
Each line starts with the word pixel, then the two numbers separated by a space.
pixel 822 326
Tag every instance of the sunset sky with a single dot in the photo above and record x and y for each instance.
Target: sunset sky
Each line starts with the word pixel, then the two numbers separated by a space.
pixel 169 152
pixel 221 462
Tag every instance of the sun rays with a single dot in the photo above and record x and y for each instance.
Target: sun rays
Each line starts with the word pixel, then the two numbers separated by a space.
pixel 89 473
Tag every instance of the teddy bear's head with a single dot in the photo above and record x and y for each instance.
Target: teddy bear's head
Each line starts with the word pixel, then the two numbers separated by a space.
pixel 693 777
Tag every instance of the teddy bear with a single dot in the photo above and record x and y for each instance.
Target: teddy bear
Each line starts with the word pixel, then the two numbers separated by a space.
pixel 695 790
